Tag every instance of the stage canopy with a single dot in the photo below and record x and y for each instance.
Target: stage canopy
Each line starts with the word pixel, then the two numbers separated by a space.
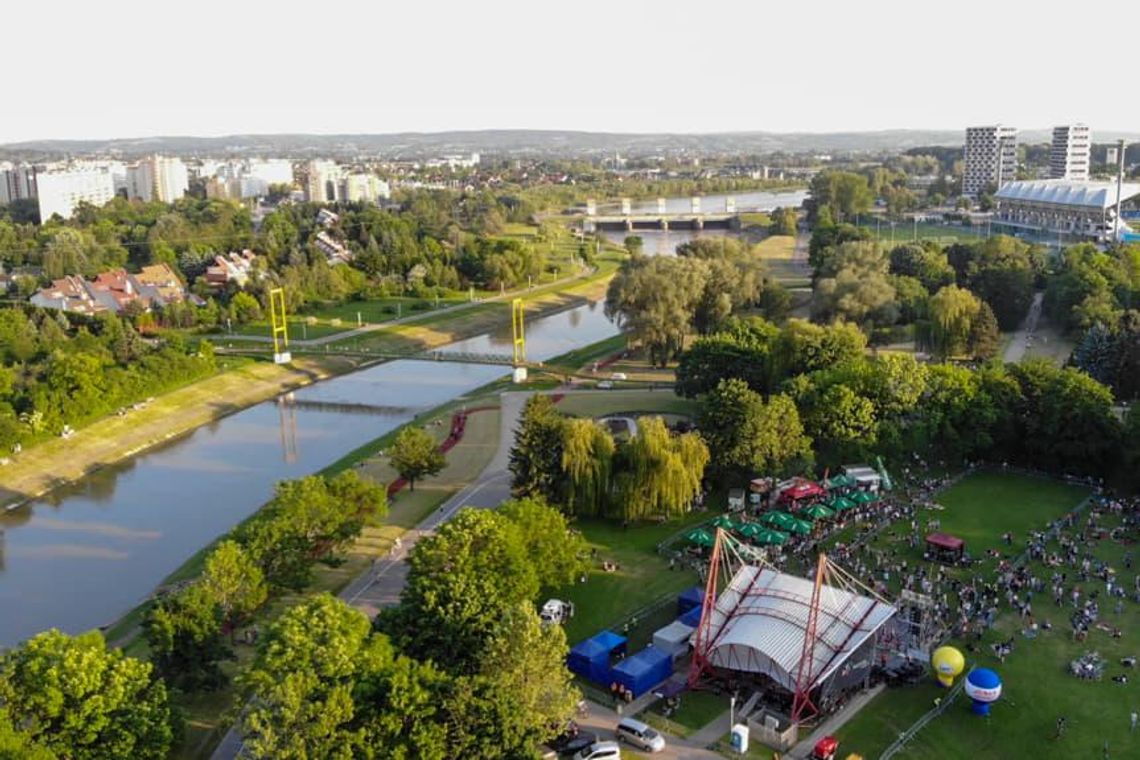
pixel 760 620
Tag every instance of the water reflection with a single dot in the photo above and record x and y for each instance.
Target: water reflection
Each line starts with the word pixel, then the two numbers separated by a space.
pixel 130 525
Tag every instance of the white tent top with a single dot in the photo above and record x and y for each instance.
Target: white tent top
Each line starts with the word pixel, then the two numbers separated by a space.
pixel 674 633
pixel 1064 192
pixel 760 621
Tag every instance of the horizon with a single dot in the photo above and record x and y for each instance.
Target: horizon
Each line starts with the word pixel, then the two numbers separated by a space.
pixel 630 69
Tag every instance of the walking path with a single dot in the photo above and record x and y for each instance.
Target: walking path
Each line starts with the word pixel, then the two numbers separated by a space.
pixel 1020 341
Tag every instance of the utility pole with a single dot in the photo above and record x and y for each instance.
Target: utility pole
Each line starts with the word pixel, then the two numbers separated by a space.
pixel 1119 192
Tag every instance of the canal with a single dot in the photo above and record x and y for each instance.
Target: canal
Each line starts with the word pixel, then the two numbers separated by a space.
pixel 88 553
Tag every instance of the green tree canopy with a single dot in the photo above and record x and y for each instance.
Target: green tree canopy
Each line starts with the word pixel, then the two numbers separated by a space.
pixel 415 454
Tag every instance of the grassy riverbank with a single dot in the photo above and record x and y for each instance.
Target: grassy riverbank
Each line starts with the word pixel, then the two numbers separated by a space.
pixel 241 383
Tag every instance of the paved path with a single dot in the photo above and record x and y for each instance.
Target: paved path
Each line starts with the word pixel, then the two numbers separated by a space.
pixel 602 721
pixel 1020 341
pixel 373 327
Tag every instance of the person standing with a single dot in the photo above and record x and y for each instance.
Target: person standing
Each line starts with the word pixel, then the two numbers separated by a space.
pixel 1132 720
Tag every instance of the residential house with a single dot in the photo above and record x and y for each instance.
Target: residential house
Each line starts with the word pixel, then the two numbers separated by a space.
pixel 334 251
pixel 114 291
pixel 231 267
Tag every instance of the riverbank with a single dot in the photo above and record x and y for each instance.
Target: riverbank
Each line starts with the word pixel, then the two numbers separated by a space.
pixel 58 462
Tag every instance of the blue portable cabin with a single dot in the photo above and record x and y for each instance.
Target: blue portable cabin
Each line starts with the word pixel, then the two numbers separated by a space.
pixel 690 598
pixel 692 618
pixel 641 672
pixel 591 658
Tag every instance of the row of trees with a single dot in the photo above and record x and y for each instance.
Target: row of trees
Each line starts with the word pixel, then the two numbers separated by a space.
pixel 577 463
pixel 851 405
pixel 189 630
pixel 659 300
pixel 58 370
pixel 461 667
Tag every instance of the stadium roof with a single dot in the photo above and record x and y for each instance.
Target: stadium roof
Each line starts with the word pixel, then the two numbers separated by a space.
pixel 1064 192
pixel 760 621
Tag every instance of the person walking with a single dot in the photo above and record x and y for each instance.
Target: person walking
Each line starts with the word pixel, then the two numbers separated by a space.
pixel 1060 727
pixel 1132 720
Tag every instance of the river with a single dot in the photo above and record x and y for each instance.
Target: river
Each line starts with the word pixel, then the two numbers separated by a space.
pixel 665 242
pixel 88 553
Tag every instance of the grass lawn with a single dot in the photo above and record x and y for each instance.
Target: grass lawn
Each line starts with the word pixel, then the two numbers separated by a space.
pixel 697 710
pixel 1037 687
pixel 778 254
pixel 941 233
pixel 635 402
pixel 607 599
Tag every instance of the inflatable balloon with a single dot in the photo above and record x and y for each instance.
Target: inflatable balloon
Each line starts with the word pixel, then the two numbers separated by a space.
pixel 948 663
pixel 984 687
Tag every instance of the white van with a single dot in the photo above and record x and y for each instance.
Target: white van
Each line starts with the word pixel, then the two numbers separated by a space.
pixel 638 734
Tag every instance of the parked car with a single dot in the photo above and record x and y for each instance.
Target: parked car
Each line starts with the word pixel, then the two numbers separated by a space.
pixel 640 735
pixel 572 741
pixel 618 376
pixel 605 385
pixel 600 751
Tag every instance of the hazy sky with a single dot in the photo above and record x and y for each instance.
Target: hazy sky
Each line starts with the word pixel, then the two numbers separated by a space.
pixel 80 69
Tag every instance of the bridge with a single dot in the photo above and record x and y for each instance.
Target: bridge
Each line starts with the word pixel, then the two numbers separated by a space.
pixel 506 360
pixel 341 406
pixel 661 218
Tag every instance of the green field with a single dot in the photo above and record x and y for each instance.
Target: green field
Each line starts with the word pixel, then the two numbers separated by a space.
pixel 941 233
pixel 1037 686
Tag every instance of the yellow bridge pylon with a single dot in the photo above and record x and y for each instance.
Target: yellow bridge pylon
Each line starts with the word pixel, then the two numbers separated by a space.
pixel 518 330
pixel 280 326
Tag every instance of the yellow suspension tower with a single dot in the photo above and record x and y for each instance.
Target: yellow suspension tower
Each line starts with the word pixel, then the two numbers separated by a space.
pixel 280 324
pixel 518 331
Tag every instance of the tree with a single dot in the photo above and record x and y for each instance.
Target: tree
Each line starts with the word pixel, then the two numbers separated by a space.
pixel 460 582
pixel 846 193
pixel 587 461
pixel 16 744
pixel 985 336
pixel 803 347
pixel 743 349
pixel 952 314
pixel 842 421
pixel 244 308
pixel 521 694
pixel 415 454
pixel 555 551
pixel 536 457
pixel 184 633
pixel 745 435
pixel 80 700
pixel 1001 273
pixel 655 299
pixel 303 679
pixel 926 262
pixel 860 290
pixel 659 475
pixel 633 244
pixel 234 582
pixel 783 222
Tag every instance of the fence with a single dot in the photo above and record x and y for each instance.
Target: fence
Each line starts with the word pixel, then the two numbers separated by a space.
pixel 920 724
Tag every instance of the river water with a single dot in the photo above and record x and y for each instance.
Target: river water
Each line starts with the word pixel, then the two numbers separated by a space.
pixel 665 242
pixel 88 553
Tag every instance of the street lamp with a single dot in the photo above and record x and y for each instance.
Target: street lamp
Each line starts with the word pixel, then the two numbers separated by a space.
pixel 731 712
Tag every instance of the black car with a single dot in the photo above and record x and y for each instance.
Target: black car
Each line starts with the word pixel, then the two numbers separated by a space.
pixel 572 741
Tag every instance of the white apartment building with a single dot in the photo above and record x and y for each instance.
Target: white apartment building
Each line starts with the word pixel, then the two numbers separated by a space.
pixel 1069 157
pixel 367 188
pixel 272 171
pixel 322 182
pixel 158 178
pixel 990 157
pixel 61 191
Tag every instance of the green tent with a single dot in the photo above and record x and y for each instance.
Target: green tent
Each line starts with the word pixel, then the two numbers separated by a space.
pixel 840 503
pixel 863 497
pixel 724 521
pixel 841 481
pixel 800 527
pixel 699 536
pixel 750 529
pixel 817 512
pixel 776 519
pixel 769 537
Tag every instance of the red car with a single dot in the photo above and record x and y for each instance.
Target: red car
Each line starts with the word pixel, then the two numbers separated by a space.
pixel 825 748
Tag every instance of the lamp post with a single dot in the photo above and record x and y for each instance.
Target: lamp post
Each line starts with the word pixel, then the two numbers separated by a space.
pixel 731 712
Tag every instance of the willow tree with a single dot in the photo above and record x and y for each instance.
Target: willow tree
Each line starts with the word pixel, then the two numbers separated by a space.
pixel 587 461
pixel 660 474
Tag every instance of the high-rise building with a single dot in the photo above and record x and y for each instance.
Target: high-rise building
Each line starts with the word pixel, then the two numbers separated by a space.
pixel 322 182
pixel 61 191
pixel 272 171
pixel 1069 157
pixel 17 182
pixel 158 178
pixel 990 157
pixel 365 187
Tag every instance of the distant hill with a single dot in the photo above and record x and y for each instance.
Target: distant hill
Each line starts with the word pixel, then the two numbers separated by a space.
pixel 513 142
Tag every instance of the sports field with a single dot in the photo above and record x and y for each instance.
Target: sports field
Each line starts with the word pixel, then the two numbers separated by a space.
pixel 1037 685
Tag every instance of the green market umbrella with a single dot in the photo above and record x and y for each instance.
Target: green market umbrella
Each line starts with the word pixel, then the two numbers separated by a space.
pixel 767 536
pixel 840 503
pixel 699 537
pixel 749 530
pixel 863 497
pixel 800 527
pixel 777 519
pixel 724 521
pixel 818 512
pixel 841 481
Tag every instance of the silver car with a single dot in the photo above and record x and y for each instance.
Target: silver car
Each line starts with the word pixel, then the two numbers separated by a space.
pixel 638 734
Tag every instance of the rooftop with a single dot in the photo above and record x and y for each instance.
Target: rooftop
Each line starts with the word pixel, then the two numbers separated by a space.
pixel 1064 192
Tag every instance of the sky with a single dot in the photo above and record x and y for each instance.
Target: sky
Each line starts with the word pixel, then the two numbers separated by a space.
pixel 132 69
